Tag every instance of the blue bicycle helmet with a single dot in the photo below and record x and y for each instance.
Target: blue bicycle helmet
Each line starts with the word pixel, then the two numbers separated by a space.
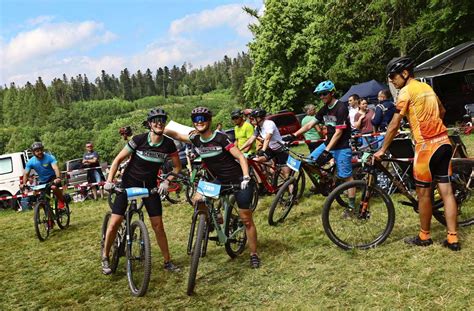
pixel 325 86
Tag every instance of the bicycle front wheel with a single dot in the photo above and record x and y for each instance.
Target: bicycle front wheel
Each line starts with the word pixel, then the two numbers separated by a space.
pixel 235 232
pixel 283 202
pixel 367 225
pixel 138 259
pixel 196 252
pixel 62 215
pixel 43 222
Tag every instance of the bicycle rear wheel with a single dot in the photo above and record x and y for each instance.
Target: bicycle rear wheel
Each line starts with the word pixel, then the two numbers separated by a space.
pixel 138 259
pixel 196 252
pixel 43 222
pixel 462 169
pixel 350 229
pixel 62 215
pixel 235 232
pixel 283 202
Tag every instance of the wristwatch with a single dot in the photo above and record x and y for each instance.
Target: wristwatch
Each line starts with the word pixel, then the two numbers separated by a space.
pixel 246 178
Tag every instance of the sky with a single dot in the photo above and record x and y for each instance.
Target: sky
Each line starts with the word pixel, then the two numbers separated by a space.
pixel 46 38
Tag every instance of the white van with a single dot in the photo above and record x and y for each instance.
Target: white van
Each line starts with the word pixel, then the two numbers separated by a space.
pixel 12 166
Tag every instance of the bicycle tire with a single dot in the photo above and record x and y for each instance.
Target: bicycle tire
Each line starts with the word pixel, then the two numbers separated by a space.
pixel 300 183
pixel 189 189
pixel 235 245
pixel 462 171
pixel 196 253
pixel 282 205
pixel 362 232
pixel 255 193
pixel 42 220
pixel 62 216
pixel 139 264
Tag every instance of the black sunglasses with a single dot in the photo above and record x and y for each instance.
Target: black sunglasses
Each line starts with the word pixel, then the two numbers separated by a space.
pixel 200 118
pixel 158 119
pixel 323 93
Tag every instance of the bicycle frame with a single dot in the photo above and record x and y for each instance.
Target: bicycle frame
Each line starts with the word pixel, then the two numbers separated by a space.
pixel 372 178
pixel 255 165
pixel 211 212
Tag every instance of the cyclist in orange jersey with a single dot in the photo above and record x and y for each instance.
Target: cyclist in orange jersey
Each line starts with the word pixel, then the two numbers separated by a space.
pixel 418 102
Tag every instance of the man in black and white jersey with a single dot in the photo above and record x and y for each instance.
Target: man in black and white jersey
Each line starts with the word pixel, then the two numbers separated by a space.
pixel 148 152
pixel 272 143
pixel 220 155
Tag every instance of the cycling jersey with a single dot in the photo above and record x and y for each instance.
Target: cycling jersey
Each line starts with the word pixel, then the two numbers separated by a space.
pixel 146 159
pixel 419 103
pixel 269 127
pixel 43 167
pixel 334 118
pixel 214 152
pixel 242 134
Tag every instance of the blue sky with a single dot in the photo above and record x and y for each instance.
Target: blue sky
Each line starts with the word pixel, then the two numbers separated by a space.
pixel 50 37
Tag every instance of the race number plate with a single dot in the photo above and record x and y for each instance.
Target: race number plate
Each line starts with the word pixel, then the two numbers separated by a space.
pixel 293 163
pixel 135 193
pixel 208 189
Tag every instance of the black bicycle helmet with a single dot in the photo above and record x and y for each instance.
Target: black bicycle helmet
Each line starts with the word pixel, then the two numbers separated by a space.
pixel 37 145
pixel 399 64
pixel 258 113
pixel 201 111
pixel 236 113
pixel 156 112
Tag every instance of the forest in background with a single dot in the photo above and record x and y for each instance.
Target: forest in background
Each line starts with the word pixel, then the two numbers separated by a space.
pixel 296 44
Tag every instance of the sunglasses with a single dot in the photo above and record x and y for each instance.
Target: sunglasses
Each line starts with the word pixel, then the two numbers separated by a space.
pixel 199 118
pixel 158 120
pixel 235 118
pixel 323 94
pixel 88 146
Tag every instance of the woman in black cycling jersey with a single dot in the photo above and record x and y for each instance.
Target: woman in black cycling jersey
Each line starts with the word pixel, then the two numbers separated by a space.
pixel 219 155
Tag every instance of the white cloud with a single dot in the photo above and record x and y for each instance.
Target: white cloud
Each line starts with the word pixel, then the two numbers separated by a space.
pixel 52 49
pixel 39 20
pixel 51 38
pixel 230 15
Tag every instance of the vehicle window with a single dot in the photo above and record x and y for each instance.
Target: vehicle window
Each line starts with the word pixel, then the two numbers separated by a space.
pixel 6 166
pixel 74 164
pixel 284 120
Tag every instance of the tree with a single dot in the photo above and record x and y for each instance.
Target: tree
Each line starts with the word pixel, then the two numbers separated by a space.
pixel 126 84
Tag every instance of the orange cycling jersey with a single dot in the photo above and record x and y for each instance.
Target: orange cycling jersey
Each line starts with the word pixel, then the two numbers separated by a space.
pixel 419 103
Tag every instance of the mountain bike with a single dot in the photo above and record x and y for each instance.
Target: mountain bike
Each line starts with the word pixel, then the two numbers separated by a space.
pixel 132 241
pixel 207 218
pixel 269 177
pixel 371 220
pixel 324 180
pixel 45 214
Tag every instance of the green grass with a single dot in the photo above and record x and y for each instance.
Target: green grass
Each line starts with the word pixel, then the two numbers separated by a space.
pixel 301 268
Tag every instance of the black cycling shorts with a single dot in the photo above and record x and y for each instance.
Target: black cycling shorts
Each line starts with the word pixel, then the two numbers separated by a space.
pixel 152 203
pixel 280 156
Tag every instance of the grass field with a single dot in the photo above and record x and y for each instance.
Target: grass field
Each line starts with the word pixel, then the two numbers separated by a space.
pixel 301 268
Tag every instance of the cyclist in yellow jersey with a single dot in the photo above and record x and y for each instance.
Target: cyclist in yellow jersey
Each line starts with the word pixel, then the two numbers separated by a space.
pixel 243 131
pixel 418 102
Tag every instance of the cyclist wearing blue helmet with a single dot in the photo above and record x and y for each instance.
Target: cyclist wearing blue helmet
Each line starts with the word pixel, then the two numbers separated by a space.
pixel 335 115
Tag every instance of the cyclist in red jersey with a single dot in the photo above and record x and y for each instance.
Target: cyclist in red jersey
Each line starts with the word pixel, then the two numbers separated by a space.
pixel 418 102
